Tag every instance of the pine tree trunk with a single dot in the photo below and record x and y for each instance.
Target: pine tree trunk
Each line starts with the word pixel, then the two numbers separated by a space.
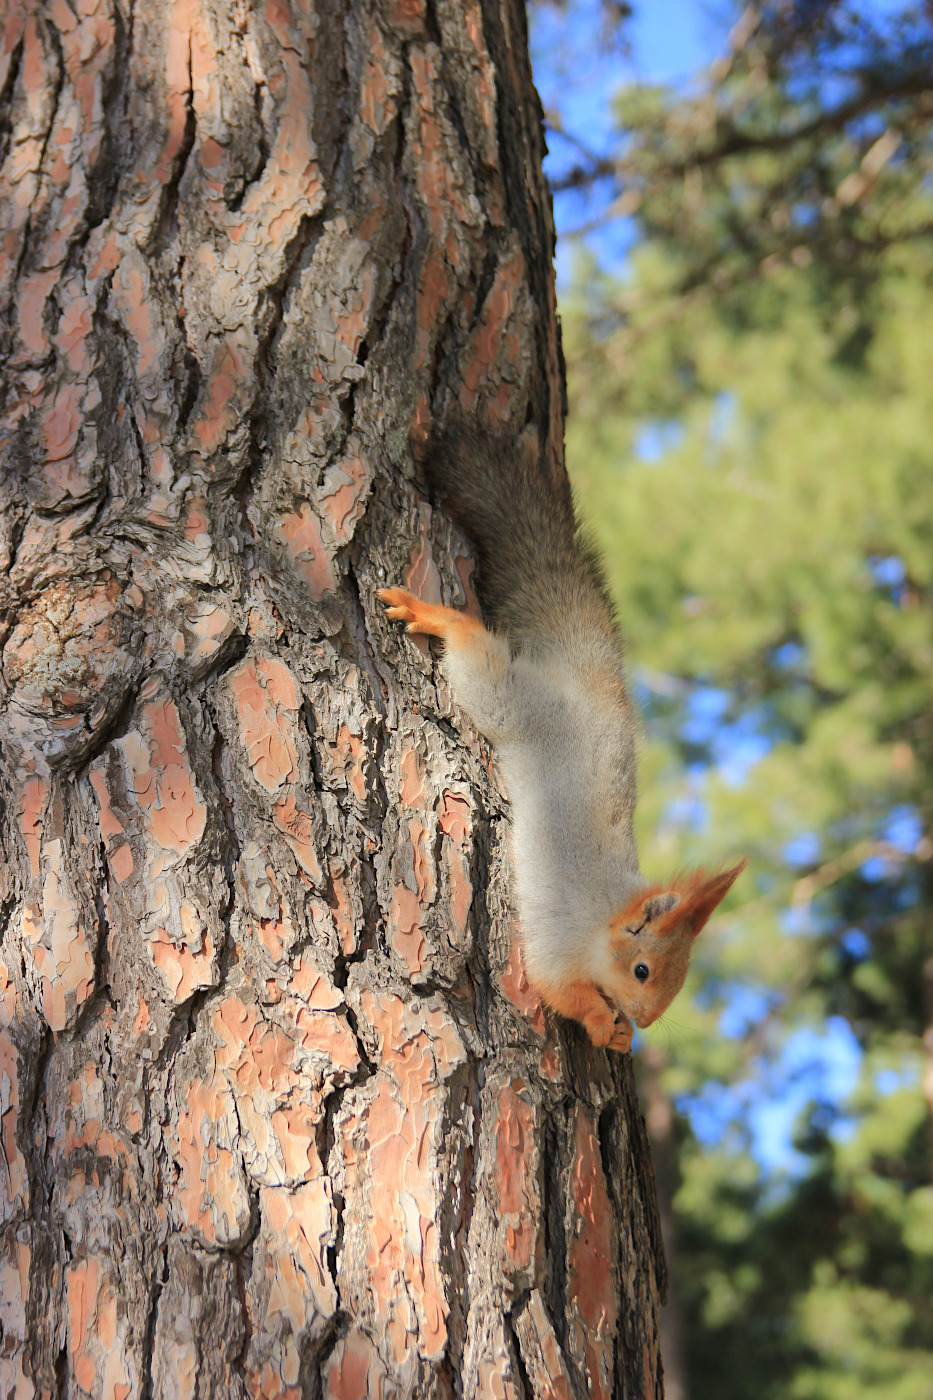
pixel 659 1120
pixel 280 1117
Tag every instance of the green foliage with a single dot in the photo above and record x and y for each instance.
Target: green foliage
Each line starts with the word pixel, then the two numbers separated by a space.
pixel 774 553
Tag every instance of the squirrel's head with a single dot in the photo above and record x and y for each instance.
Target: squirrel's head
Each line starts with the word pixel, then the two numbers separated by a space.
pixel 651 939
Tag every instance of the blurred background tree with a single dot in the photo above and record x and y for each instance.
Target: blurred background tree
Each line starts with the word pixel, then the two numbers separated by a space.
pixel 747 330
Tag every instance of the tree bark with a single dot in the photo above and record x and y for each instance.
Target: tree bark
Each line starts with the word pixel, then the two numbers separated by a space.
pixel 279 1115
pixel 659 1120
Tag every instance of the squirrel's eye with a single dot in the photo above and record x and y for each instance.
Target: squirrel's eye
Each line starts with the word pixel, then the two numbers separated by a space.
pixel 642 972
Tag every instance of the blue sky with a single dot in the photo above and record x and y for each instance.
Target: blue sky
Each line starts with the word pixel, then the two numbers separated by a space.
pixel 670 41
pixel 815 1066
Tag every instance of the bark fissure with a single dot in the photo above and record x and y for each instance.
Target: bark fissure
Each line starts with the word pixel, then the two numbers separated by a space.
pixel 7 92
pixel 263 143
pixel 525 1383
pixel 149 1338
pixel 40 1205
pixel 165 225
pixel 191 369
pixel 113 159
pixel 55 96
pixel 555 1239
pixel 297 259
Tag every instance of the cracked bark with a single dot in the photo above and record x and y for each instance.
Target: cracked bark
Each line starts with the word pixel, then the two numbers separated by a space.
pixel 660 1124
pixel 279 1116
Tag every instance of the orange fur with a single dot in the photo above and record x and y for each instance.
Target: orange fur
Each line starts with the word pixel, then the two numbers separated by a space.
pixel 631 913
pixel 661 940
pixel 697 896
pixel 583 1001
pixel 456 629
pixel 700 895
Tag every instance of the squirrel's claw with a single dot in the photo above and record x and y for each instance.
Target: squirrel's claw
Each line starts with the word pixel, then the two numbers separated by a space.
pixel 399 605
pixel 431 619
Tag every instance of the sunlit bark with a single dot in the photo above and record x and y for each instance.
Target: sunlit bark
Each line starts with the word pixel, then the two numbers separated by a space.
pixel 659 1117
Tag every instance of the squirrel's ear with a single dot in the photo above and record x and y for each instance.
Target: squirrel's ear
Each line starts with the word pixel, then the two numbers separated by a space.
pixel 645 909
pixel 657 904
pixel 685 904
pixel 701 898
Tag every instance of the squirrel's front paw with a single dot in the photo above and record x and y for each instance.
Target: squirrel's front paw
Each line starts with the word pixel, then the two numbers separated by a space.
pixel 431 619
pixel 622 1035
pixel 401 606
pixel 612 1031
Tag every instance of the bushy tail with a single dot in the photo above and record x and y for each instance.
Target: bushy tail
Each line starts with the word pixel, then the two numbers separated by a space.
pixel 538 576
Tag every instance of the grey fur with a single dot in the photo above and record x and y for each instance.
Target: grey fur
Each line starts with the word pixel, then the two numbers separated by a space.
pixel 534 559
pixel 550 693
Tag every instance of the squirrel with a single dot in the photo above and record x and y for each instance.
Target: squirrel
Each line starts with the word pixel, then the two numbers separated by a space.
pixel 544 682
